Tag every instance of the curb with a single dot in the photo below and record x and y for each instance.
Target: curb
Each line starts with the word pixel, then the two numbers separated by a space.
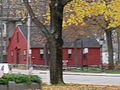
pixel 72 73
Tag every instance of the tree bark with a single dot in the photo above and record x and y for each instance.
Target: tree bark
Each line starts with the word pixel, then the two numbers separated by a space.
pixel 118 40
pixel 55 42
pixel 56 75
pixel 110 49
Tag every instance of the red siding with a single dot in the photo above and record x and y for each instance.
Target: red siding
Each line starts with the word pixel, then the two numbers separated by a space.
pixel 93 57
pixel 21 44
pixel 36 57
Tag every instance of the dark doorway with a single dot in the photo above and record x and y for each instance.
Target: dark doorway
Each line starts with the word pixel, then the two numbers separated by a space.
pixel 17 55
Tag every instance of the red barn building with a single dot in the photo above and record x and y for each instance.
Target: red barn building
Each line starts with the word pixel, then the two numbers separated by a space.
pixel 81 52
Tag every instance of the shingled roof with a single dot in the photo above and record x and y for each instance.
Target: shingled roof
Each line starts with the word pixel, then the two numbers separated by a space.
pixel 38 40
pixel 24 30
pixel 86 43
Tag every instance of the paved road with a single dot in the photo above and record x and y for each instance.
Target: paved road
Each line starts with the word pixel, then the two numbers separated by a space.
pixel 80 78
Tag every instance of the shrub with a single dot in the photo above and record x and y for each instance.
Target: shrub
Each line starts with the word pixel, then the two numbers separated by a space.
pixel 19 78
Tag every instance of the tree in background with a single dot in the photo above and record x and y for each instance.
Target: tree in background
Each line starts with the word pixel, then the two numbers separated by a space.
pixel 106 10
pixel 118 45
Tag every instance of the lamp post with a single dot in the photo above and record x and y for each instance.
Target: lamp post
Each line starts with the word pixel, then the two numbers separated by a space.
pixel 101 41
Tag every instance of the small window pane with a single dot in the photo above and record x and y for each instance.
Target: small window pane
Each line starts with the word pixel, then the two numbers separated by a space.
pixel 69 55
pixel 12 53
pixel 20 57
pixel 41 51
pixel 42 56
pixel 69 51
pixel 24 52
pixel 85 50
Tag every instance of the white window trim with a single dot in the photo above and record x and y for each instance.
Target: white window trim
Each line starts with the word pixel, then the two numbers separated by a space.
pixel 28 1
pixel 69 51
pixel 41 51
pixel 85 50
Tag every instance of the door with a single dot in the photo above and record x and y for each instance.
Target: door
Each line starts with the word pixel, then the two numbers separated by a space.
pixel 17 56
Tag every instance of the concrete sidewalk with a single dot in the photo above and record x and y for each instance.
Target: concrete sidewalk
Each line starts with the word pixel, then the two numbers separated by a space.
pixel 91 74
pixel 66 73
pixel 77 77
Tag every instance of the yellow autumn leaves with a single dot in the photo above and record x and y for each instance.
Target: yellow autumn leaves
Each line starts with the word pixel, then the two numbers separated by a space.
pixel 110 11
pixel 77 10
pixel 81 87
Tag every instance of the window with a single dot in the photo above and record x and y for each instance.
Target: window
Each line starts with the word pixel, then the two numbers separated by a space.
pixel 85 53
pixel 28 1
pixel 4 29
pixel 24 54
pixel 4 50
pixel 69 53
pixel 17 37
pixel 30 51
pixel 42 53
pixel 12 54
pixel 20 57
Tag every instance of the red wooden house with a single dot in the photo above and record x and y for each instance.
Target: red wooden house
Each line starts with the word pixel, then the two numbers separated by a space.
pixel 81 52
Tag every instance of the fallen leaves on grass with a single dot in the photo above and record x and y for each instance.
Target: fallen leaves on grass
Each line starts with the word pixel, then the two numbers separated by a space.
pixel 81 87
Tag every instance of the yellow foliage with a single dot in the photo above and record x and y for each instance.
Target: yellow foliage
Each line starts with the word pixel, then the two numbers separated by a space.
pixel 77 10
pixel 80 9
pixel 17 9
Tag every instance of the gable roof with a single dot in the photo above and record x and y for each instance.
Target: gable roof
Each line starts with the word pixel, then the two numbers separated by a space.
pixel 24 30
pixel 91 42
pixel 86 43
pixel 38 40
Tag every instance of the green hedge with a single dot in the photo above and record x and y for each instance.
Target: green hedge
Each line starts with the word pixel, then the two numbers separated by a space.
pixel 19 78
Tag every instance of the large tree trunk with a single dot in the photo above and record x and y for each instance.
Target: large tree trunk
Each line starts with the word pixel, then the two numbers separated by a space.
pixel 110 49
pixel 118 40
pixel 55 42
pixel 56 75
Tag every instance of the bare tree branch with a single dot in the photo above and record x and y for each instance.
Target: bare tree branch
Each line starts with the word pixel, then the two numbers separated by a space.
pixel 64 2
pixel 40 25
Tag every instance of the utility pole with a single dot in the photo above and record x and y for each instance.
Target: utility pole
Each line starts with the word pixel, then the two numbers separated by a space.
pixel 28 44
pixel 76 51
pixel 1 31
pixel 82 55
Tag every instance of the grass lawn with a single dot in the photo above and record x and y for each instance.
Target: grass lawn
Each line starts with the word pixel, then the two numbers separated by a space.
pixel 80 87
pixel 93 71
